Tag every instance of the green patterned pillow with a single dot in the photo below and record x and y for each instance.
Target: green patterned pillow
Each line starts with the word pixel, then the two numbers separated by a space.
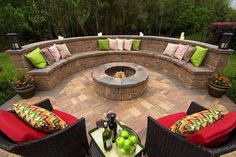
pixel 40 118
pixel 195 122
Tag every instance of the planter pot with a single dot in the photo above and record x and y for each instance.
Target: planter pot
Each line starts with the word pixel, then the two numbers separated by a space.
pixel 26 92
pixel 216 91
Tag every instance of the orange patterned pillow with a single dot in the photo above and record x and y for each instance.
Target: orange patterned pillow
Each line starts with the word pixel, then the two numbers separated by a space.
pixel 195 122
pixel 40 118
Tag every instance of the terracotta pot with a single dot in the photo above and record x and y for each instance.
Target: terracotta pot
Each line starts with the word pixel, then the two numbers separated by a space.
pixel 26 92
pixel 216 91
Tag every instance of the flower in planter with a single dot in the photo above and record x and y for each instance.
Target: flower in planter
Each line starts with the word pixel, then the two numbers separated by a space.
pixel 219 80
pixel 23 80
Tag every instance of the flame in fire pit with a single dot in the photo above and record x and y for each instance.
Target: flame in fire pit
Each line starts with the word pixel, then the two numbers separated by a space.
pixel 120 74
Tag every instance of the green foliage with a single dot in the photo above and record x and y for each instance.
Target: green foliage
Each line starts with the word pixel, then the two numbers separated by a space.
pixel 12 19
pixel 7 73
pixel 230 72
pixel 50 18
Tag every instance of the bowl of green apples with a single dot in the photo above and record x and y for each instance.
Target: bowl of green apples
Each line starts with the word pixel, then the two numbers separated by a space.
pixel 126 144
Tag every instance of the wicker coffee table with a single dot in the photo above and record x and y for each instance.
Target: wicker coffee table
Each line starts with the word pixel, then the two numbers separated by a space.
pixel 96 144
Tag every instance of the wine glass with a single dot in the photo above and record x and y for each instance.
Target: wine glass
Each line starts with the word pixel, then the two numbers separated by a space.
pixel 100 120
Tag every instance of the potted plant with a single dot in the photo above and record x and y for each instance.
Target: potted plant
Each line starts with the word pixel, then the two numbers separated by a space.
pixel 24 85
pixel 218 85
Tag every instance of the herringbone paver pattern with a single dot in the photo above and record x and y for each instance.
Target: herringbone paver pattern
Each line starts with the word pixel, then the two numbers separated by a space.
pixel 165 95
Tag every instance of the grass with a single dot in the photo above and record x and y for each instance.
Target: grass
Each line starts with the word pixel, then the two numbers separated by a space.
pixel 7 72
pixel 230 71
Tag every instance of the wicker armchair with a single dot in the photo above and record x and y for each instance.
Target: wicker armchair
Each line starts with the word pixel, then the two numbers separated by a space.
pixel 71 141
pixel 160 142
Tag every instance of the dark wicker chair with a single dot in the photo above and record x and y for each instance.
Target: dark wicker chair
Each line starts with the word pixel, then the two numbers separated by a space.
pixel 69 142
pixel 160 142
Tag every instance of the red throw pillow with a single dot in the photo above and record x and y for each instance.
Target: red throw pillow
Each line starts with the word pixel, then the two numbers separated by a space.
pixel 69 119
pixel 16 129
pixel 169 120
pixel 216 133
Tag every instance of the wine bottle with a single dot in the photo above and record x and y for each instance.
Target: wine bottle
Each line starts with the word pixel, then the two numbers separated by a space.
pixel 113 127
pixel 107 138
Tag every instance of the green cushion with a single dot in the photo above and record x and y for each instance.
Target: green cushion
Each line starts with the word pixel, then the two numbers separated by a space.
pixel 136 45
pixel 36 58
pixel 103 44
pixel 198 56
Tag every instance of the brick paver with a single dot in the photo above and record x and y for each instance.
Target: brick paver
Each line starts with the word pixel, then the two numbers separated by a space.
pixel 165 95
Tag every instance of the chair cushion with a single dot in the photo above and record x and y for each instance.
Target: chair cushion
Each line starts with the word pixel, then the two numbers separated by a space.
pixel 69 119
pixel 25 132
pixel 16 129
pixel 215 133
pixel 195 122
pixel 40 118
pixel 36 58
pixel 169 120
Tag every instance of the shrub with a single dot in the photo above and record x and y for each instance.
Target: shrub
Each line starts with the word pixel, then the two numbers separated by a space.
pixel 6 90
pixel 7 72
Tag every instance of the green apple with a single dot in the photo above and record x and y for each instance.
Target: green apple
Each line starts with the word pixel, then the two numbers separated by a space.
pixel 120 141
pixel 122 151
pixel 132 150
pixel 133 139
pixel 127 145
pixel 124 134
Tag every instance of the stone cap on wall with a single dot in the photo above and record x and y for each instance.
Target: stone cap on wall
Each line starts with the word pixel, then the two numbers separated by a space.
pixel 30 47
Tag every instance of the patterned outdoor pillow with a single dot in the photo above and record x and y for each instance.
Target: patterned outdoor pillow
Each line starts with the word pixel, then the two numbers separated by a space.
pixel 40 118
pixel 170 49
pixel 195 122
pixel 181 50
pixel 112 44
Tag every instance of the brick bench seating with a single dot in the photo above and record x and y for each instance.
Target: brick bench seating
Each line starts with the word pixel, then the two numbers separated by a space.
pixel 85 55
pixel 55 73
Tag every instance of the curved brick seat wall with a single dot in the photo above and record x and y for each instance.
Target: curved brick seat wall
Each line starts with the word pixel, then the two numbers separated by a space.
pixel 85 55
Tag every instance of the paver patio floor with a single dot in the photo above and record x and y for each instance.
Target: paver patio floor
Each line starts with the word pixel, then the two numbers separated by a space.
pixel 165 95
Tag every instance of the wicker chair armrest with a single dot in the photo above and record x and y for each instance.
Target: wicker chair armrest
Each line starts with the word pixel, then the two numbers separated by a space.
pixel 6 143
pixel 72 136
pixel 228 147
pixel 46 104
pixel 162 142
pixel 194 108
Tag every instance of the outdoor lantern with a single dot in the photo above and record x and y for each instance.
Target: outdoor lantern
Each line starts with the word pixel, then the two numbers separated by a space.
pixel 225 40
pixel 14 39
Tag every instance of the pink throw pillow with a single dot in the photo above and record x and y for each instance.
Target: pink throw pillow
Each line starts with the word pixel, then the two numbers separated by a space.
pixel 112 44
pixel 127 44
pixel 181 50
pixel 55 52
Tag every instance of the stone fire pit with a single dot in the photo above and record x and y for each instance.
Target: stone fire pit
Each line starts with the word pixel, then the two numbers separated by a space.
pixel 108 85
